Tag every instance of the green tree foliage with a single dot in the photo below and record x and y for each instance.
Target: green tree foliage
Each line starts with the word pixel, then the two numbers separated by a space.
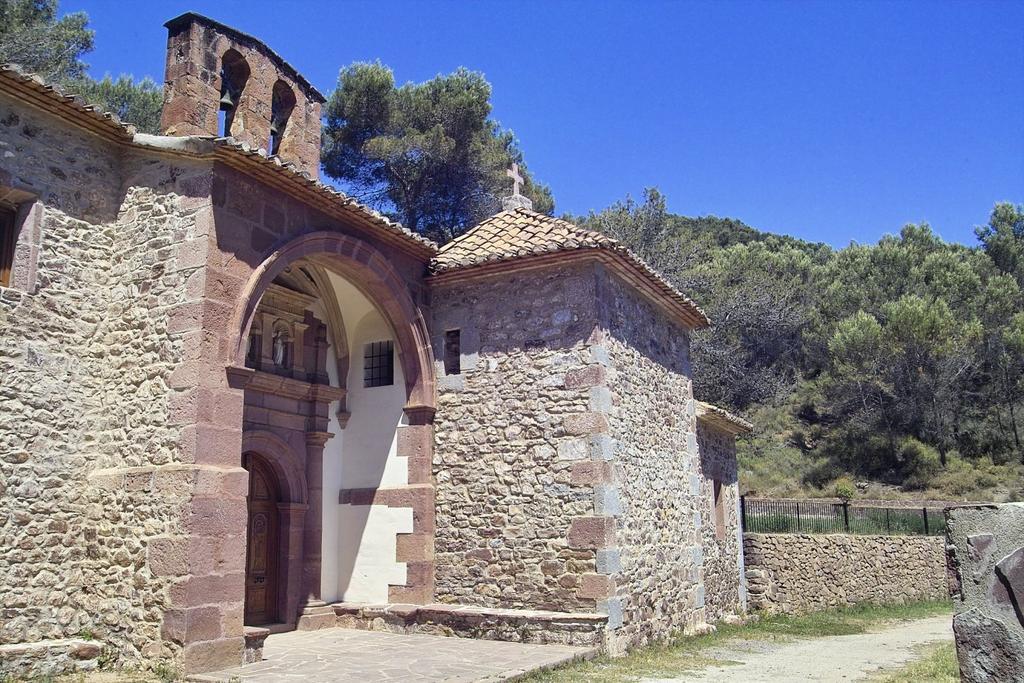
pixel 756 288
pixel 426 153
pixel 1003 239
pixel 895 361
pixel 136 103
pixel 760 298
pixel 32 36
pixel 902 376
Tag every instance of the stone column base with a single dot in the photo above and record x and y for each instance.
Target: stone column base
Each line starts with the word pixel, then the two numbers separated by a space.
pixel 315 616
pixel 254 639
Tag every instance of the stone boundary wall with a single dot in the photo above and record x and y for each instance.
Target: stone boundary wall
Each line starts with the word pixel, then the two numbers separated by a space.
pixel 868 502
pixel 796 573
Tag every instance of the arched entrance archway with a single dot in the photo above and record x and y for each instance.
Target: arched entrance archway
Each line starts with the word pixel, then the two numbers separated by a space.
pixel 281 328
pixel 357 261
pixel 263 548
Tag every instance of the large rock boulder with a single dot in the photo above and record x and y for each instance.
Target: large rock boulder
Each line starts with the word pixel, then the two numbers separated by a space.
pixel 985 556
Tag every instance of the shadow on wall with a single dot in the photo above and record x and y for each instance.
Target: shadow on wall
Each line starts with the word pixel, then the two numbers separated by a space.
pixel 634 320
pixel 717 455
pixel 600 303
pixel 366 534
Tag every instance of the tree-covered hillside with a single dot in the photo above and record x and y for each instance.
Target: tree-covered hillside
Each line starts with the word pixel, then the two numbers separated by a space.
pixel 900 363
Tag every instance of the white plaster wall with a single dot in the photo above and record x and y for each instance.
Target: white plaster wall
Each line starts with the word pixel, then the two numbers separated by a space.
pixel 371 440
pixel 368 536
pixel 359 541
pixel 330 543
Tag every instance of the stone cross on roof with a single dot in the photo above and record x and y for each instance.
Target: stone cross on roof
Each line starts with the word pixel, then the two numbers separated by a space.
pixel 516 201
pixel 517 179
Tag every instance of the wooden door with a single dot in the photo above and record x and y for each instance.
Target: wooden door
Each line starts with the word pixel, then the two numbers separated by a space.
pixel 262 547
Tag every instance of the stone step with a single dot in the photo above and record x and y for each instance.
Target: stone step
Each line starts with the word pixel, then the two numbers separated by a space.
pixel 45 658
pixel 582 629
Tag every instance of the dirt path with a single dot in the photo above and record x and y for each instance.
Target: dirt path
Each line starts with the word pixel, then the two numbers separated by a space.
pixel 833 658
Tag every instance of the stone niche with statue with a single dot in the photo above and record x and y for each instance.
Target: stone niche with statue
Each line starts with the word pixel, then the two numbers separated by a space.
pixel 287 339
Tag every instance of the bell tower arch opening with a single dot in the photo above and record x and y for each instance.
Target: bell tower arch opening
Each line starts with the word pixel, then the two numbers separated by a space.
pixel 234 74
pixel 282 104
pixel 220 81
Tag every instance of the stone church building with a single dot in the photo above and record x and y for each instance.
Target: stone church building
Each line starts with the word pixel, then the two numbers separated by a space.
pixel 234 401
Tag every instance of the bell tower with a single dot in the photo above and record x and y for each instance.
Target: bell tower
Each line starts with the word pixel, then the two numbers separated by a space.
pixel 224 83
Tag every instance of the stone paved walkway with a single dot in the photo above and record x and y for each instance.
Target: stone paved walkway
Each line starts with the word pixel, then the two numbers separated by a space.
pixel 830 659
pixel 342 656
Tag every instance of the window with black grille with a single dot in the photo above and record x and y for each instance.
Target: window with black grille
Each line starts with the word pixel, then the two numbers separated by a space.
pixel 452 352
pixel 379 364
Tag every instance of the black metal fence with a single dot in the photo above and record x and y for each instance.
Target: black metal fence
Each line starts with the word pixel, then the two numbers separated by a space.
pixel 766 516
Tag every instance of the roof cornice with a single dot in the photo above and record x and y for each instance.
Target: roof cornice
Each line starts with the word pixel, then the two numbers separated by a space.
pixel 323 197
pixel 513 237
pixel 35 92
pixel 617 262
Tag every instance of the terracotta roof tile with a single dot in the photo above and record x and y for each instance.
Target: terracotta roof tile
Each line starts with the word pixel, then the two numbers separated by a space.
pixel 326 191
pixel 52 97
pixel 521 233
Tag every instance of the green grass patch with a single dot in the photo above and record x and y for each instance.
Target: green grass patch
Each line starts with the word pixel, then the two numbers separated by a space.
pixel 818 518
pixel 687 654
pixel 938 666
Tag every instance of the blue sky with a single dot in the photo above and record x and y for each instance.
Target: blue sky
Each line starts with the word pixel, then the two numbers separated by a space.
pixel 828 121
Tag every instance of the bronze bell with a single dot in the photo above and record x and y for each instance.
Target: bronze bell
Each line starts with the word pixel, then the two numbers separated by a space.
pixel 229 93
pixel 227 102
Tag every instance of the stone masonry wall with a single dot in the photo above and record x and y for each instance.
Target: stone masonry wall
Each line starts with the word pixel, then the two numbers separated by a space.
pixel 85 362
pixel 139 486
pixel 985 555
pixel 508 437
pixel 795 573
pixel 723 588
pixel 566 453
pixel 655 497
pixel 121 489
pixel 49 380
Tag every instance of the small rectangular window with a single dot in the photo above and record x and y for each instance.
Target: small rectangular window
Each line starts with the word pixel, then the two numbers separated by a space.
pixel 8 240
pixel 379 364
pixel 453 352
pixel 719 511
